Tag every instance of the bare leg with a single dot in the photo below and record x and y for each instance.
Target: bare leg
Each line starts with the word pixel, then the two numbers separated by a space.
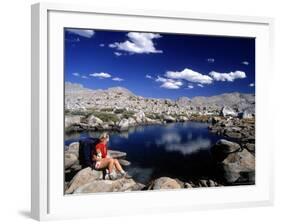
pixel 118 166
pixel 107 163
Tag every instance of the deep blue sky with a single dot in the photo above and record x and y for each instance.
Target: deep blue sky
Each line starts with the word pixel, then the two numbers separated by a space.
pixel 89 52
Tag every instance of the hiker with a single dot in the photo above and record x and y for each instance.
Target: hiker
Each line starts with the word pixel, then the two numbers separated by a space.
pixel 101 160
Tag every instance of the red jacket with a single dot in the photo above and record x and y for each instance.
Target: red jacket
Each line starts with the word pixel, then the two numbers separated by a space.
pixel 102 148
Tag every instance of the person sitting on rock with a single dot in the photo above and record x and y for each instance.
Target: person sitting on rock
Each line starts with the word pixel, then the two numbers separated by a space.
pixel 101 160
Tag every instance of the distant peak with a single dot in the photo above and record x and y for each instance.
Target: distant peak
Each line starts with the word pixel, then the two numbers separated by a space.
pixel 75 87
pixel 119 89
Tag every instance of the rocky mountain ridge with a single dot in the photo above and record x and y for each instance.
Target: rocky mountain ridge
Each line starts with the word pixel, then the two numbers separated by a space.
pixel 79 98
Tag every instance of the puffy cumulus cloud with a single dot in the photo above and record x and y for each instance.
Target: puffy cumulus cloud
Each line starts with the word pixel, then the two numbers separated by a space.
pixel 84 77
pixel 252 84
pixel 230 77
pixel 245 62
pixel 148 77
pixel 169 83
pixel 102 45
pixel 200 85
pixel 138 43
pixel 82 32
pixel 101 75
pixel 117 79
pixel 189 75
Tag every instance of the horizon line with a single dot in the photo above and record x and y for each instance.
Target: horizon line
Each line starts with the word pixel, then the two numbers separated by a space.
pixel 151 97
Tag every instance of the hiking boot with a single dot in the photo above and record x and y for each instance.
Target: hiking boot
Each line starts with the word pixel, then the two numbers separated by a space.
pixel 112 176
pixel 125 175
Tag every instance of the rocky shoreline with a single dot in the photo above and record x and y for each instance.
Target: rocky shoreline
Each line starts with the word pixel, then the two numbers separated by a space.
pixel 235 161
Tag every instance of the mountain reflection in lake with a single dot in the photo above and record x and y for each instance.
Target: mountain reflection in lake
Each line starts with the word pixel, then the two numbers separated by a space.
pixel 177 150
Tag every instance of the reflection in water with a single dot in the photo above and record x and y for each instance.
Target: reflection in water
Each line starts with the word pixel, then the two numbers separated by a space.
pixel 169 138
pixel 172 141
pixel 178 150
pixel 190 147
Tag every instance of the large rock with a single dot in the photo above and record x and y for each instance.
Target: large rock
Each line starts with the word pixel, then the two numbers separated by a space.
pixel 228 111
pixel 246 115
pixel 124 124
pixel 151 121
pixel 83 177
pixel 236 165
pixel 124 162
pixel 74 148
pixel 94 121
pixel 140 117
pixel 69 159
pixel 119 185
pixel 239 167
pixel 201 183
pixel 183 118
pixel 224 147
pixel 215 120
pixel 168 118
pixel 132 121
pixel 72 120
pixel 232 134
pixel 165 183
pixel 250 147
pixel 116 154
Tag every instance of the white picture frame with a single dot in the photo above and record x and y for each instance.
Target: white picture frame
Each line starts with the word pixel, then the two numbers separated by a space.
pixel 48 201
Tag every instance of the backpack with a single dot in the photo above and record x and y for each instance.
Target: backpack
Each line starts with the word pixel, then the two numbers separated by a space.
pixel 86 149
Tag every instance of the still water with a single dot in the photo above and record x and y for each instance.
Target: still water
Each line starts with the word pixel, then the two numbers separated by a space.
pixel 177 150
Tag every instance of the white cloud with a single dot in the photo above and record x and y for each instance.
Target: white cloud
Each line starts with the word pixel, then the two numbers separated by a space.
pixel 190 146
pixel 148 77
pixel 84 77
pixel 200 85
pixel 76 74
pixel 138 43
pixel 230 77
pixel 245 62
pixel 82 32
pixel 169 83
pixel 117 79
pixel 101 75
pixel 117 53
pixel 252 84
pixel 190 86
pixel 210 60
pixel 101 45
pixel 189 75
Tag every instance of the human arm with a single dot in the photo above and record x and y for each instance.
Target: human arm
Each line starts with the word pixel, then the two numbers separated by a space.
pixel 97 156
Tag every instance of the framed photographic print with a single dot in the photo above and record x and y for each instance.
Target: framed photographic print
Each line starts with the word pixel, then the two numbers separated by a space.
pixel 148 111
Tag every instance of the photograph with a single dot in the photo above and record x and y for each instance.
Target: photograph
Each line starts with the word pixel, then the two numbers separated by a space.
pixel 146 111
